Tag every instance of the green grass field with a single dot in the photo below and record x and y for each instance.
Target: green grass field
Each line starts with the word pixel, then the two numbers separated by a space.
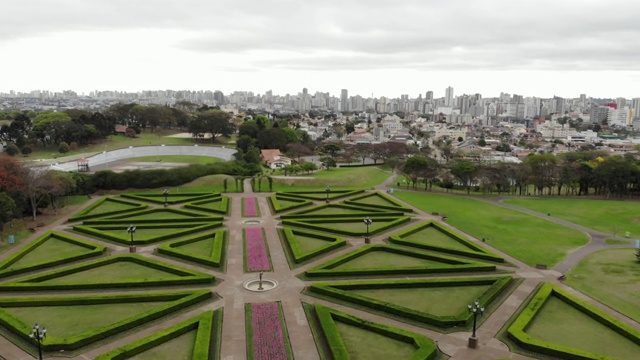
pixel 42 253
pixel 385 259
pixel 202 247
pixel 362 344
pixel 180 348
pixel 123 270
pixel 177 159
pixel 337 179
pixel 525 237
pixel 109 206
pixel 560 323
pixel 67 321
pixel 615 270
pixel 608 216
pixel 435 237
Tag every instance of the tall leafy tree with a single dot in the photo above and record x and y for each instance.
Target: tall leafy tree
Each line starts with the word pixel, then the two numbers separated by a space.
pixel 465 172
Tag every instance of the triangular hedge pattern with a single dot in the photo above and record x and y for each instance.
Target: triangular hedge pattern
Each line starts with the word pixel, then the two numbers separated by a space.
pixel 172 198
pixel 304 245
pixel 319 195
pixel 207 248
pixel 146 233
pixel 339 211
pixel 378 200
pixel 108 206
pixel 348 226
pixel 282 203
pixel 217 205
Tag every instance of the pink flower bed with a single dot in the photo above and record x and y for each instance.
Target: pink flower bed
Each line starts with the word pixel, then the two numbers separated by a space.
pixel 250 207
pixel 268 335
pixel 257 257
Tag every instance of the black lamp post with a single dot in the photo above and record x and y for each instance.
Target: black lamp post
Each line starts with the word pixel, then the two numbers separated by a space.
pixel 132 230
pixel 367 222
pixel 165 193
pixel 476 310
pixel 38 335
pixel 328 190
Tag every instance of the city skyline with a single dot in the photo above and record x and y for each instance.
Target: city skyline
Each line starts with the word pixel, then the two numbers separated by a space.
pixel 378 48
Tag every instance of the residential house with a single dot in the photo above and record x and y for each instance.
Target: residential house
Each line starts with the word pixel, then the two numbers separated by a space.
pixel 274 159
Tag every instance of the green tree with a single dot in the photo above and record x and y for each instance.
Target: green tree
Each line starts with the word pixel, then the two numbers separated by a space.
pixel 7 210
pixel 331 149
pixel 465 172
pixel 213 122
pixel 413 168
pixel 328 162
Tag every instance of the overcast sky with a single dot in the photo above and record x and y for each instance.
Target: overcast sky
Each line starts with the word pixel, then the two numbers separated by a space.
pixel 385 48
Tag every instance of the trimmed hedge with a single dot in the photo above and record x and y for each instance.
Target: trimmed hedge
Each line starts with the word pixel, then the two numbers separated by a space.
pixel 362 212
pixel 449 265
pixel 92 250
pixel 216 257
pixel 200 205
pixel 99 231
pixel 276 207
pixel 206 325
pixel 517 330
pixel 288 235
pixel 324 225
pixel 463 318
pixel 184 216
pixel 86 213
pixel 394 204
pixel 327 317
pixel 171 198
pixel 180 300
pixel 319 195
pixel 477 251
pixel 34 282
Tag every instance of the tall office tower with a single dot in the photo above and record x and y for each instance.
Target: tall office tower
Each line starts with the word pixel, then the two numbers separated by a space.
pixel 517 98
pixel 635 107
pixel 304 91
pixel 583 99
pixel 218 96
pixel 559 105
pixel 448 96
pixel 344 100
pixel 429 96
pixel 622 102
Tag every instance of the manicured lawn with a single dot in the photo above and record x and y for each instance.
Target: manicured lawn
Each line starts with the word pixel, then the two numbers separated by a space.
pixel 525 237
pixel 161 215
pixel 109 206
pixel 560 323
pixel 123 270
pixel 429 300
pixel 364 345
pixel 435 237
pixel 209 183
pixel 202 247
pixel 608 216
pixel 144 234
pixel 385 259
pixel 50 249
pixel 615 270
pixel 375 200
pixel 337 179
pixel 189 159
pixel 67 321
pixel 336 211
pixel 308 243
pixel 180 348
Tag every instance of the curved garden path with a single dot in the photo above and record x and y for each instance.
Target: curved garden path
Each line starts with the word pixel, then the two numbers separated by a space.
pixel 234 297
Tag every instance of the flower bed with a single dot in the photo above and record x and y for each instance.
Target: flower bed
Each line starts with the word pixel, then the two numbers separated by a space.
pixel 256 251
pixel 250 207
pixel 266 332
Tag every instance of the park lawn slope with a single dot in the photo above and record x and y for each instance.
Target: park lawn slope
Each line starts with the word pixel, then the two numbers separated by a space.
pixel 608 216
pixel 527 238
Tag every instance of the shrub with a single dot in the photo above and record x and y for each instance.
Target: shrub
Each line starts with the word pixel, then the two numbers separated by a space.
pixel 12 149
pixel 73 145
pixel 26 150
pixel 63 148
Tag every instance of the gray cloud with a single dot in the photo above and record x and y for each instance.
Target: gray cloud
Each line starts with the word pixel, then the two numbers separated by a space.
pixel 358 35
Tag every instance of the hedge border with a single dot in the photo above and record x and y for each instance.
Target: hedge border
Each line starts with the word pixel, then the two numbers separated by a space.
pixel 85 213
pixel 516 331
pixel 450 264
pixel 398 205
pixel 426 349
pixel 249 331
pixel 197 205
pixel 340 291
pixel 275 206
pixel 188 277
pixel 151 197
pixel 191 216
pixel 309 224
pixel 242 209
pixel 288 235
pixel 216 258
pixel 180 301
pixel 321 195
pixel 478 251
pixel 93 250
pixel 308 213
pixel 204 348
pixel 245 261
pixel 189 228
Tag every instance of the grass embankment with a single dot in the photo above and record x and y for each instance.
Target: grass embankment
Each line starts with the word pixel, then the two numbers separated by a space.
pixel 615 270
pixel 338 179
pixel 527 238
pixel 608 216
pixel 186 159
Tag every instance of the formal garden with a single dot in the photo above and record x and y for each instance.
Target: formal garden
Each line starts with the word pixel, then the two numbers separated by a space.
pixel 314 272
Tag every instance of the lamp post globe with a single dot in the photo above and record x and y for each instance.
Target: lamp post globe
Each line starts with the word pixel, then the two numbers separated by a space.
pixel 38 334
pixel 476 310
pixel 165 193
pixel 132 230
pixel 367 222
pixel 328 190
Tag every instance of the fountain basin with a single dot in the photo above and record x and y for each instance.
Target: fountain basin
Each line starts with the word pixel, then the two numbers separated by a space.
pixel 252 222
pixel 254 285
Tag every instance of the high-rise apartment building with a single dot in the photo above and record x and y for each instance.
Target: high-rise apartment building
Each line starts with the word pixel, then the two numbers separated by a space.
pixel 635 107
pixel 429 96
pixel 448 96
pixel 344 100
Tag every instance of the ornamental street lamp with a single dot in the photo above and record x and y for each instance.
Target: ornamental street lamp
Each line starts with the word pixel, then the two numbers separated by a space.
pixel 367 222
pixel 328 190
pixel 476 310
pixel 132 230
pixel 38 335
pixel 165 193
